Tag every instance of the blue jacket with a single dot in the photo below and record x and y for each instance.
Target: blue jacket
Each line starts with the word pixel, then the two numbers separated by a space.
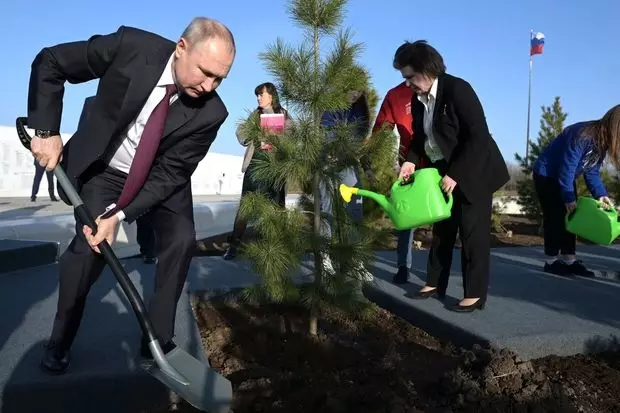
pixel 568 156
pixel 330 119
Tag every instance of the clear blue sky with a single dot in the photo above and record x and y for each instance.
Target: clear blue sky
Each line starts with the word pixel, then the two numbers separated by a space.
pixel 484 41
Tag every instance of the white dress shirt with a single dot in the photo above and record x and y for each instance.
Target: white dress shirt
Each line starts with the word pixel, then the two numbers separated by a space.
pixel 123 157
pixel 430 146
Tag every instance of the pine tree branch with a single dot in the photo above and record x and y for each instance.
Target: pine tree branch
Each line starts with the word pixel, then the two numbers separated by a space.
pixel 341 74
pixel 325 15
pixel 305 156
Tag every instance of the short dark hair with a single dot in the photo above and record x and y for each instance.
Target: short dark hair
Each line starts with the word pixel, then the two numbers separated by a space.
pixel 422 57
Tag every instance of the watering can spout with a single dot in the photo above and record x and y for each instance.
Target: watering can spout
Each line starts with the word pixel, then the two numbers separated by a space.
pixel 348 191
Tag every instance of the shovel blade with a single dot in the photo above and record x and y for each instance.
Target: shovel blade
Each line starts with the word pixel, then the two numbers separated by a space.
pixel 204 388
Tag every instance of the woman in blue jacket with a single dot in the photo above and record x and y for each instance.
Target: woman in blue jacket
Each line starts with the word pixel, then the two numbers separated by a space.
pixel 357 115
pixel 581 148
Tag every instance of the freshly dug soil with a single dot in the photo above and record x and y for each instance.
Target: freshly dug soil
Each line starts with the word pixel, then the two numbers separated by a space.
pixel 384 364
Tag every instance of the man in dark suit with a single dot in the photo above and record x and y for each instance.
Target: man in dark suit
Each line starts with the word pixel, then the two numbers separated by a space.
pixel 452 135
pixel 145 235
pixel 155 115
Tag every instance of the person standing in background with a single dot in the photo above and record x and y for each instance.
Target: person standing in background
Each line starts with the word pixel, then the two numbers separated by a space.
pixel 580 149
pixel 38 176
pixel 356 115
pixel 268 103
pixel 395 110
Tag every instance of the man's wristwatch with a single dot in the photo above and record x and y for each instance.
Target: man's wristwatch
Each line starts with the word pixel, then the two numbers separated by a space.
pixel 44 134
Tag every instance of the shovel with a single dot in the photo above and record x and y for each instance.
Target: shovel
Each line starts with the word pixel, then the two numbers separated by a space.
pixel 191 379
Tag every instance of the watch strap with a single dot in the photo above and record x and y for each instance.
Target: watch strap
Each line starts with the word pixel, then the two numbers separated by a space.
pixel 40 133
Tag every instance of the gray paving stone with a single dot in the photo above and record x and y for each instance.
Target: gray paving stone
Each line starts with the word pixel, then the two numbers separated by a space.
pixel 104 375
pixel 533 313
pixel 20 254
pixel 21 208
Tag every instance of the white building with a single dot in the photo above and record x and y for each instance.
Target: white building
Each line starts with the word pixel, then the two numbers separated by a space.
pixel 217 173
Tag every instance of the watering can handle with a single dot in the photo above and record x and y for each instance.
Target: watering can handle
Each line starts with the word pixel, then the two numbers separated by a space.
pixel 599 204
pixel 397 183
pixel 400 181
pixel 450 200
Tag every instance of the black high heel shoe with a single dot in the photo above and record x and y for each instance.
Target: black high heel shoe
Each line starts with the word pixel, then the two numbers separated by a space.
pixel 478 305
pixel 423 295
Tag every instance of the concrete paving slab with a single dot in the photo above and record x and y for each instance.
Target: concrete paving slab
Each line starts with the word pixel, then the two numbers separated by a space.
pixel 18 208
pixel 55 222
pixel 104 375
pixel 16 255
pixel 528 311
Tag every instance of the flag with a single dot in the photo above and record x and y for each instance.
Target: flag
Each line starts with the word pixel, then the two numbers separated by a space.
pixel 537 43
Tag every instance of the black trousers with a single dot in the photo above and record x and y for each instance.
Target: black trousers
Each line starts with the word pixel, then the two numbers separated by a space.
pixel 80 267
pixel 472 221
pixel 38 176
pixel 145 236
pixel 557 238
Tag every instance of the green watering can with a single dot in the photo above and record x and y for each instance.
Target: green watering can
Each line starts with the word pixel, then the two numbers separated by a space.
pixel 591 221
pixel 413 204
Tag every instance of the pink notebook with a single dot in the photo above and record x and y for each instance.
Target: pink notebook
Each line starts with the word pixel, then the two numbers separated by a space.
pixel 273 122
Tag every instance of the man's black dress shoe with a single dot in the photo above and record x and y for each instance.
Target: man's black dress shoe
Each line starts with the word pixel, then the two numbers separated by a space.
pixel 55 360
pixel 478 305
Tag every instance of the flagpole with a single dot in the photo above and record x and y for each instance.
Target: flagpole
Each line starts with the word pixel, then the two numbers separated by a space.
pixel 529 100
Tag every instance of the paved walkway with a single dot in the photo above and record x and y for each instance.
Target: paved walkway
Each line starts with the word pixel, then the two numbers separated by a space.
pixel 104 373
pixel 528 311
pixel 19 208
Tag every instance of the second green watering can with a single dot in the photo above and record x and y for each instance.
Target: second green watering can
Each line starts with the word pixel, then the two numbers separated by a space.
pixel 591 221
pixel 412 204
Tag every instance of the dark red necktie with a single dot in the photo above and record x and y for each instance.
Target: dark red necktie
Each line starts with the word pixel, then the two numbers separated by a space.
pixel 145 153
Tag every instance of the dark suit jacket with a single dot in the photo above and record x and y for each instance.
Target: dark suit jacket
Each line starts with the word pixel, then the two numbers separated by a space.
pixel 128 64
pixel 86 109
pixel 461 131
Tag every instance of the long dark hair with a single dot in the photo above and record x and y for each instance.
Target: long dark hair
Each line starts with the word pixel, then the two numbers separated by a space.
pixel 275 99
pixel 605 133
